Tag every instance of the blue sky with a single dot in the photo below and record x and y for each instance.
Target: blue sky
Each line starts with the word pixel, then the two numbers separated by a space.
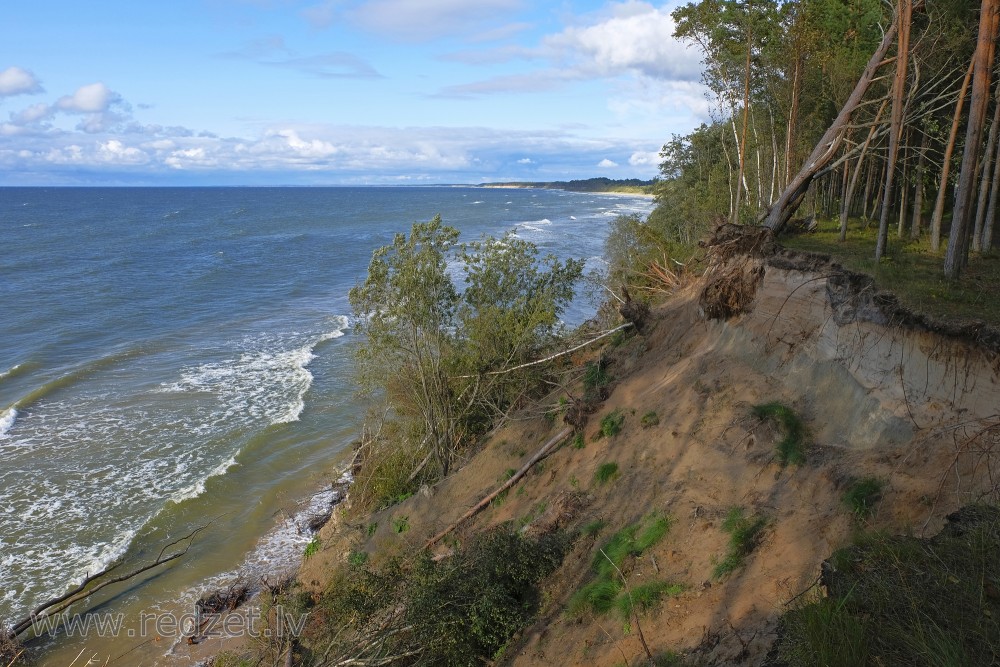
pixel 317 92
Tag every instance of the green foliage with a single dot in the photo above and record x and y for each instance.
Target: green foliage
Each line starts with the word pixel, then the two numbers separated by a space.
pixel 606 472
pixel 357 558
pixel 644 597
pixel 578 441
pixel 459 611
pixel 862 495
pixel 607 590
pixel 905 601
pixel 315 544
pixel 611 424
pixel 595 378
pixel 745 534
pixel 791 448
pixel 592 528
pixel 424 345
pixel 650 419
pixel 400 524
pixel 372 527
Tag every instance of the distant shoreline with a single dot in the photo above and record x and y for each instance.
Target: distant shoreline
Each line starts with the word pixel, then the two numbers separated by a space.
pixel 633 187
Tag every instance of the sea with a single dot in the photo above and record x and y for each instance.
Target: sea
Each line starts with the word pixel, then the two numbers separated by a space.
pixel 175 358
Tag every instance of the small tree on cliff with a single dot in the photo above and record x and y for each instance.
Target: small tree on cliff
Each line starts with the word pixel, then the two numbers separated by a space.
pixel 446 361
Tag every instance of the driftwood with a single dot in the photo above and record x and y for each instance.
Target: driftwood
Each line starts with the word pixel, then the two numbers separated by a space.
pixel 64 601
pixel 546 449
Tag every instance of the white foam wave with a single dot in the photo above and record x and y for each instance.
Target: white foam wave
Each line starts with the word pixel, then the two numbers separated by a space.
pixel 477 202
pixel 7 420
pixel 10 371
pixel 258 385
pixel 108 554
pixel 198 488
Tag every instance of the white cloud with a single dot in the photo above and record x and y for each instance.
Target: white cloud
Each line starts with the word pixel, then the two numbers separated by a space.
pixel 526 160
pixel 18 81
pixel 607 164
pixel 645 159
pixel 33 114
pixel 636 37
pixel 114 151
pixel 92 98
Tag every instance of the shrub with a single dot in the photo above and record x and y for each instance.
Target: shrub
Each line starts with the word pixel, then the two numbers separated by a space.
pixel 650 419
pixel 862 495
pixel 745 534
pixel 313 547
pixel 791 449
pixel 357 558
pixel 578 441
pixel 611 424
pixel 400 524
pixel 593 527
pixel 459 611
pixel 606 472
pixel 645 597
pixel 595 378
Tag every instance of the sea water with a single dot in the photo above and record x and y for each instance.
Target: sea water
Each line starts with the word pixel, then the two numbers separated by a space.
pixel 176 357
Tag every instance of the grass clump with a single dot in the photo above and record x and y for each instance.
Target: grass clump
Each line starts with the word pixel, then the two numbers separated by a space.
pixel 900 600
pixel 791 449
pixel 313 547
pixel 745 533
pixel 611 424
pixel 607 590
pixel 645 597
pixel 578 441
pixel 606 472
pixel 862 495
pixel 650 419
pixel 400 524
pixel 593 527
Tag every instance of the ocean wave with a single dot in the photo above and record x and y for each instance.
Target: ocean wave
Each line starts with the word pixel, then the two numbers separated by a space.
pixel 198 488
pixel 7 419
pixel 72 377
pixel 260 384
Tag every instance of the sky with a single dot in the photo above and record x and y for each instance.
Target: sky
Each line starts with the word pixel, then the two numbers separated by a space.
pixel 340 92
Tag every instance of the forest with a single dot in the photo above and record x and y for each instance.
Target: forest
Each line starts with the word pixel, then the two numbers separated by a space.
pixel 880 115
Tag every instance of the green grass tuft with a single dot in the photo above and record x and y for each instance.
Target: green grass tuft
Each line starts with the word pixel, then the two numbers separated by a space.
pixel 862 495
pixel 791 449
pixel 597 597
pixel 593 527
pixel 745 534
pixel 650 419
pixel 606 472
pixel 645 597
pixel 313 547
pixel 611 424
pixel 400 524
pixel 579 442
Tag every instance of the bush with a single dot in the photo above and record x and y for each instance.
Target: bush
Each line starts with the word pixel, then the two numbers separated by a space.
pixel 400 524
pixel 595 379
pixel 313 547
pixel 650 419
pixel 606 472
pixel 791 449
pixel 578 441
pixel 745 534
pixel 459 611
pixel 862 495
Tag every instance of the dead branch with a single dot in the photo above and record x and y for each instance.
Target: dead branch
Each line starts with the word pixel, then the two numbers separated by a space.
pixel 546 449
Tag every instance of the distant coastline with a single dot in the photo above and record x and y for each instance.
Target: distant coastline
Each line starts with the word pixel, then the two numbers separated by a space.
pixel 630 186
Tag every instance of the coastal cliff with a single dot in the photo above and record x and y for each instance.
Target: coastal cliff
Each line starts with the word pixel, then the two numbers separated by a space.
pixel 880 395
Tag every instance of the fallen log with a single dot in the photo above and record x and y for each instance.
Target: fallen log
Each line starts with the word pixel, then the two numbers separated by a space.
pixel 546 449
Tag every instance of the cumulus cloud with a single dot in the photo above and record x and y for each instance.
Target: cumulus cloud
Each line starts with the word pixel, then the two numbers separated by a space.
pixel 526 160
pixel 635 37
pixel 92 98
pixel 607 164
pixel 645 159
pixel 17 81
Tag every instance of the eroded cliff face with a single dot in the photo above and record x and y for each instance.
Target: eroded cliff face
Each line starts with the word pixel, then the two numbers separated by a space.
pixel 882 395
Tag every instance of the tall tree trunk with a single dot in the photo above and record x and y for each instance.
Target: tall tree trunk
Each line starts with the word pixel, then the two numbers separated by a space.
pixel 918 195
pixel 987 175
pixel 845 209
pixel 793 118
pixel 827 147
pixel 905 20
pixel 904 185
pixel 949 150
pixel 983 59
pixel 866 198
pixel 746 118
pixel 991 209
pixel 774 159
